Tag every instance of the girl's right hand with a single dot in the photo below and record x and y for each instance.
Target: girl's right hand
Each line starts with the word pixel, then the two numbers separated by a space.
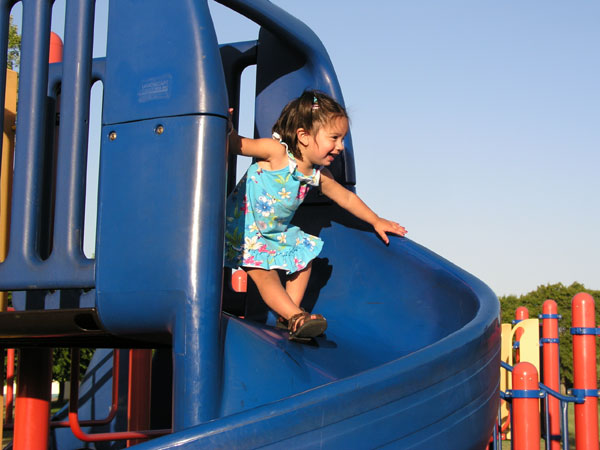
pixel 383 226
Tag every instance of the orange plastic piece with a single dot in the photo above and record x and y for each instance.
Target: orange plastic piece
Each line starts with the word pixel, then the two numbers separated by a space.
pixel 239 281
pixel 56 48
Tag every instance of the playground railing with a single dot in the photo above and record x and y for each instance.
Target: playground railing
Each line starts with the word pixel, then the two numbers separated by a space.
pixel 523 394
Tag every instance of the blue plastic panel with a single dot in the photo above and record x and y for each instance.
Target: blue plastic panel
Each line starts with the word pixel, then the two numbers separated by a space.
pixel 162 60
pixel 159 201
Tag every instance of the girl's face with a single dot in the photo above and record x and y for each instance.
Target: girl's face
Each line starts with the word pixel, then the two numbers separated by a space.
pixel 321 149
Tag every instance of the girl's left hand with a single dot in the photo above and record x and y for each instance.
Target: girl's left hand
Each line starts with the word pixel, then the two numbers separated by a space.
pixel 384 226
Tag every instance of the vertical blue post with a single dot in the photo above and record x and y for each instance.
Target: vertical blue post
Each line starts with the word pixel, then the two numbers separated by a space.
pixel 196 335
pixel 73 133
pixel 31 130
pixel 161 207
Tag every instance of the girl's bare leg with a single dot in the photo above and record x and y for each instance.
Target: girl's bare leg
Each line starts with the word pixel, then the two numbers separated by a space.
pixel 295 286
pixel 272 292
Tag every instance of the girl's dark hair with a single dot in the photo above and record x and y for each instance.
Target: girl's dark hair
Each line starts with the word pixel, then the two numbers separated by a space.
pixel 309 111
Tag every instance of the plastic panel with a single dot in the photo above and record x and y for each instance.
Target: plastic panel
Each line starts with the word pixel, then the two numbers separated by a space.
pixel 26 265
pixel 176 69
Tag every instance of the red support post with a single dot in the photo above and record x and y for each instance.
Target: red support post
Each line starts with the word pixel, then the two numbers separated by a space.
pixel 138 402
pixel 10 383
pixel 551 367
pixel 526 433
pixel 34 382
pixel 584 372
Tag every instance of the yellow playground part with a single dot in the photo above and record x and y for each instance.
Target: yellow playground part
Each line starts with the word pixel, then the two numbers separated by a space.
pixel 8 149
pixel 528 350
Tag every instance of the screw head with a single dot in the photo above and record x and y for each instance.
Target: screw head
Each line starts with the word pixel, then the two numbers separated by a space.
pixel 112 135
pixel 159 129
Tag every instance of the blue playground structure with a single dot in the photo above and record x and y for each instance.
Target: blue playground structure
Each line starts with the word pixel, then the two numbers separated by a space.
pixel 411 358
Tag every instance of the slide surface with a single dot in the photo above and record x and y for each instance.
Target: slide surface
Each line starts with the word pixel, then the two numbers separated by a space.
pixel 410 358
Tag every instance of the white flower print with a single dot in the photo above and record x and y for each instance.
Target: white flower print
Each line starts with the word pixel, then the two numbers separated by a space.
pixel 251 243
pixel 283 193
pixel 282 238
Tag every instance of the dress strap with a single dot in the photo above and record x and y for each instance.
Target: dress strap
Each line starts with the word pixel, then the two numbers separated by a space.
pixel 277 137
pixel 313 179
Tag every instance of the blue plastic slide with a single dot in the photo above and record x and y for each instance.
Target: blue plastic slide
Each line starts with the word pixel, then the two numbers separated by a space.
pixel 410 359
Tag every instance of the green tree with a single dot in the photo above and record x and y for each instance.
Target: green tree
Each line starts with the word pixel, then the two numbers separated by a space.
pixel 61 367
pixel 13 57
pixel 562 295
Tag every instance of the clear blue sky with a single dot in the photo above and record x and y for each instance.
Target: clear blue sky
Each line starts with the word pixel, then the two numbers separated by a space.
pixel 476 124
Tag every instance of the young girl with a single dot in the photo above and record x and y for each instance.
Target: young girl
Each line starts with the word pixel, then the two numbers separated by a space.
pixel 307 137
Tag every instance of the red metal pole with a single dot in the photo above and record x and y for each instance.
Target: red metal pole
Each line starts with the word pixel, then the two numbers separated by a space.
pixel 96 437
pixel 34 381
pixel 584 372
pixel 526 414
pixel 140 369
pixel 10 383
pixel 74 393
pixel 550 366
pixel 521 313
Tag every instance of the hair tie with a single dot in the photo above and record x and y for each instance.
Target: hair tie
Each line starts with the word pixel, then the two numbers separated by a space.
pixel 315 104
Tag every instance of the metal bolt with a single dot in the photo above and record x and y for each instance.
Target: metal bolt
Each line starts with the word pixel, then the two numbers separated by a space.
pixel 159 129
pixel 112 135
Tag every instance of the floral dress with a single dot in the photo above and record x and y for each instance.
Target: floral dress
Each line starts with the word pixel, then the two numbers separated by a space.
pixel 258 214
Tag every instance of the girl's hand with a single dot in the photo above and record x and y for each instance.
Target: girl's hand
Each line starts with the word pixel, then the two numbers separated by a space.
pixel 384 226
pixel 230 122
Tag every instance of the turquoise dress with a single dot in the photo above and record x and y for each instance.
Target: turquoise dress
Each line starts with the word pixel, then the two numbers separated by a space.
pixel 258 214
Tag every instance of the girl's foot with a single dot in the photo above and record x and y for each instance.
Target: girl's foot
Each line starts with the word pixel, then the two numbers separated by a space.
pixel 281 323
pixel 303 326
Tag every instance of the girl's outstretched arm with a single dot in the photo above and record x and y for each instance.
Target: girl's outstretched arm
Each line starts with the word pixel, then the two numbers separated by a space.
pixel 262 149
pixel 352 203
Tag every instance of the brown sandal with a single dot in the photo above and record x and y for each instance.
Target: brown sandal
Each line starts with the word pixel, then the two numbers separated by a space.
pixel 281 323
pixel 308 328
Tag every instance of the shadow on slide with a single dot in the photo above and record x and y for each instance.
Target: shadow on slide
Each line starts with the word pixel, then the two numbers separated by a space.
pixel 410 358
